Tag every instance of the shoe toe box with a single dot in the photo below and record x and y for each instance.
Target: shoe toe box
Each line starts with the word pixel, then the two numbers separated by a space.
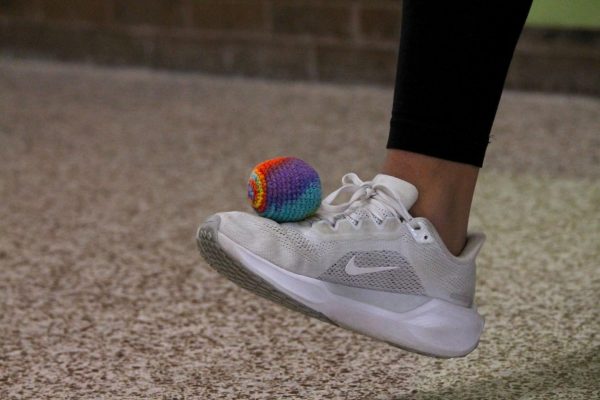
pixel 285 245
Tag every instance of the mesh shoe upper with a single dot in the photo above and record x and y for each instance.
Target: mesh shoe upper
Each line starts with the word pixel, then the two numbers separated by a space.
pixel 369 242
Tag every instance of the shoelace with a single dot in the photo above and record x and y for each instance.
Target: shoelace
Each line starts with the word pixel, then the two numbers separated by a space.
pixel 363 194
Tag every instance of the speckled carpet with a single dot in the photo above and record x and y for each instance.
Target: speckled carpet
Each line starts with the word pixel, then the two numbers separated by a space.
pixel 105 174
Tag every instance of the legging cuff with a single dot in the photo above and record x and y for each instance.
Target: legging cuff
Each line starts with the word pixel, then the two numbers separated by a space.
pixel 417 138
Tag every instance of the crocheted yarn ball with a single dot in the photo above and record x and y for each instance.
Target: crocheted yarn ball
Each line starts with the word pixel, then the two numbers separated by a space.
pixel 284 189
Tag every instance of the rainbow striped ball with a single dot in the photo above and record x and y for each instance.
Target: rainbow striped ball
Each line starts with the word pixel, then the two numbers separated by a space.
pixel 284 189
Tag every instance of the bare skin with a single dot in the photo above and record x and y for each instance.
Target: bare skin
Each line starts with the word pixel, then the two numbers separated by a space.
pixel 445 192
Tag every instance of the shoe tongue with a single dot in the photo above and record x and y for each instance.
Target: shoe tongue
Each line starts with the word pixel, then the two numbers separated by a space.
pixel 407 192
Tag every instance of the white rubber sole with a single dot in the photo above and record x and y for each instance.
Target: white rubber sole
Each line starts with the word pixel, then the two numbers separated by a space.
pixel 435 328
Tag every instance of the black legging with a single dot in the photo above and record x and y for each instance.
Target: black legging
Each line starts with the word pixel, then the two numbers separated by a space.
pixel 453 60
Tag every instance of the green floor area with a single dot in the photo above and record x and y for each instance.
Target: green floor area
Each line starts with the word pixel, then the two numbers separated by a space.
pixel 565 13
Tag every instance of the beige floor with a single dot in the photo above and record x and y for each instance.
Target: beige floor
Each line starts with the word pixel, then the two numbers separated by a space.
pixel 105 173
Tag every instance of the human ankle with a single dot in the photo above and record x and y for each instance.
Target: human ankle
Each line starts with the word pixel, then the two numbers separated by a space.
pixel 445 192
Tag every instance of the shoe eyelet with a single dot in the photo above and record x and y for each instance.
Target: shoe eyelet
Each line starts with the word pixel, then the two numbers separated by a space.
pixel 420 233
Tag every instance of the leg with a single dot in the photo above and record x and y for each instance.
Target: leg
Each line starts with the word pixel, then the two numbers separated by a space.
pixel 363 262
pixel 453 61
pixel 445 192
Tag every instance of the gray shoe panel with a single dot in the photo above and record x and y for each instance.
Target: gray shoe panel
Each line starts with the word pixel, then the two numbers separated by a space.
pixel 401 279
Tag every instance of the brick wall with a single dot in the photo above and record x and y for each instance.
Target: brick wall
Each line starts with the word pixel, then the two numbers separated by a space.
pixel 332 40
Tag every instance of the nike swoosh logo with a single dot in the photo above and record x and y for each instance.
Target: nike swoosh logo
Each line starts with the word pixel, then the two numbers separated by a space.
pixel 352 269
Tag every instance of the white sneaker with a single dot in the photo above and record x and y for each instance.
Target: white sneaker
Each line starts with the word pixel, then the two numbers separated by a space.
pixel 364 264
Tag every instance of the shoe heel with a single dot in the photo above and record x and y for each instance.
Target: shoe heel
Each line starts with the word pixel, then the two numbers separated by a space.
pixel 436 328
